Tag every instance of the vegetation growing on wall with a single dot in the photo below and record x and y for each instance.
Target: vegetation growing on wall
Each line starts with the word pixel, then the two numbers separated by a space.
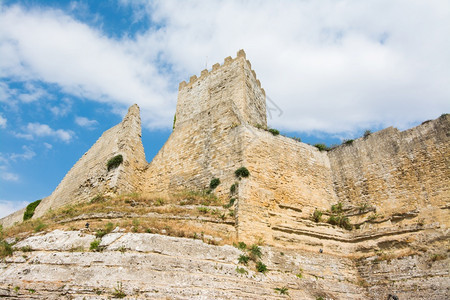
pixel 273 131
pixel 29 211
pixel 214 183
pixel 321 147
pixel 114 162
pixel 242 172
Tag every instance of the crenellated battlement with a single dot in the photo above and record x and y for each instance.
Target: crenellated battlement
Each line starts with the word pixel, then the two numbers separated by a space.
pixel 216 67
pixel 232 84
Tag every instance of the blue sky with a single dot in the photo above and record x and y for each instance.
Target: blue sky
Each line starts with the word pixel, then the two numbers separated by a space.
pixel 70 69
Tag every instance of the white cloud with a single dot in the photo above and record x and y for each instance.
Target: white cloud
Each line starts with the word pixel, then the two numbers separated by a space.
pixel 8 207
pixel 331 66
pixel 27 154
pixel 9 176
pixel 34 93
pixel 63 109
pixel 3 122
pixel 51 46
pixel 48 146
pixel 85 122
pixel 33 130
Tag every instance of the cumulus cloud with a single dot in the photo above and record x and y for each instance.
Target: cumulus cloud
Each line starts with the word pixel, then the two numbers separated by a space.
pixel 56 48
pixel 85 122
pixel 331 66
pixel 3 122
pixel 33 130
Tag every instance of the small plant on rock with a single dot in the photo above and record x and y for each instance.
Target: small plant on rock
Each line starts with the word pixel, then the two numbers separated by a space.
pixel 233 188
pixel 255 252
pixel 347 142
pixel 367 133
pixel 273 131
pixel 242 172
pixel 118 291
pixel 283 290
pixel 95 245
pixel 241 270
pixel 114 162
pixel 230 204
pixel 241 245
pixel 260 267
pixel 321 147
pixel 243 259
pixel 336 208
pixel 317 215
pixel 214 183
pixel 5 249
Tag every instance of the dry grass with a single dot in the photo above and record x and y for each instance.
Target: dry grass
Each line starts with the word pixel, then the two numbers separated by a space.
pixel 140 207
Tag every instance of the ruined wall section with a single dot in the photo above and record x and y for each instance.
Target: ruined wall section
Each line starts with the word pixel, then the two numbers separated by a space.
pixel 90 175
pixel 206 142
pixel 397 172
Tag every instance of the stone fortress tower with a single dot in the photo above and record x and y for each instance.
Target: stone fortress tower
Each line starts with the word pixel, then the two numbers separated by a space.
pixel 220 126
pixel 393 186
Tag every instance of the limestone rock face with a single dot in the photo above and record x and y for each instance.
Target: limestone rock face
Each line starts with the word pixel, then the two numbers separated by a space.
pixel 90 175
pixel 149 266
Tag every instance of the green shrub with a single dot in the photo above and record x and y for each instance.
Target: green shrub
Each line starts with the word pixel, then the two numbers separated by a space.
pixel 243 259
pixel 283 290
pixel 367 133
pixel 233 188
pixel 255 251
pixel 203 209
pixel 114 162
pixel 242 172
pixel 319 298
pixel 273 131
pixel 118 291
pixel 29 211
pixel 174 121
pixel 241 245
pixel 347 142
pixel 159 202
pixel 241 270
pixel 340 221
pixel 297 139
pixel 230 204
pixel 214 183
pixel 317 215
pixel 336 208
pixel 321 147
pixel 95 245
pixel 260 267
pixel 109 227
pixel 5 249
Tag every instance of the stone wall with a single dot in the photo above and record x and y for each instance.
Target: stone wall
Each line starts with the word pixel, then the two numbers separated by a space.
pixel 288 179
pixel 90 176
pixel 397 172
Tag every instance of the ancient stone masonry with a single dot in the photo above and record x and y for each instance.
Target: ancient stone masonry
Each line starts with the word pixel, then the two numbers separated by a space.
pixel 392 187
pixel 90 176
